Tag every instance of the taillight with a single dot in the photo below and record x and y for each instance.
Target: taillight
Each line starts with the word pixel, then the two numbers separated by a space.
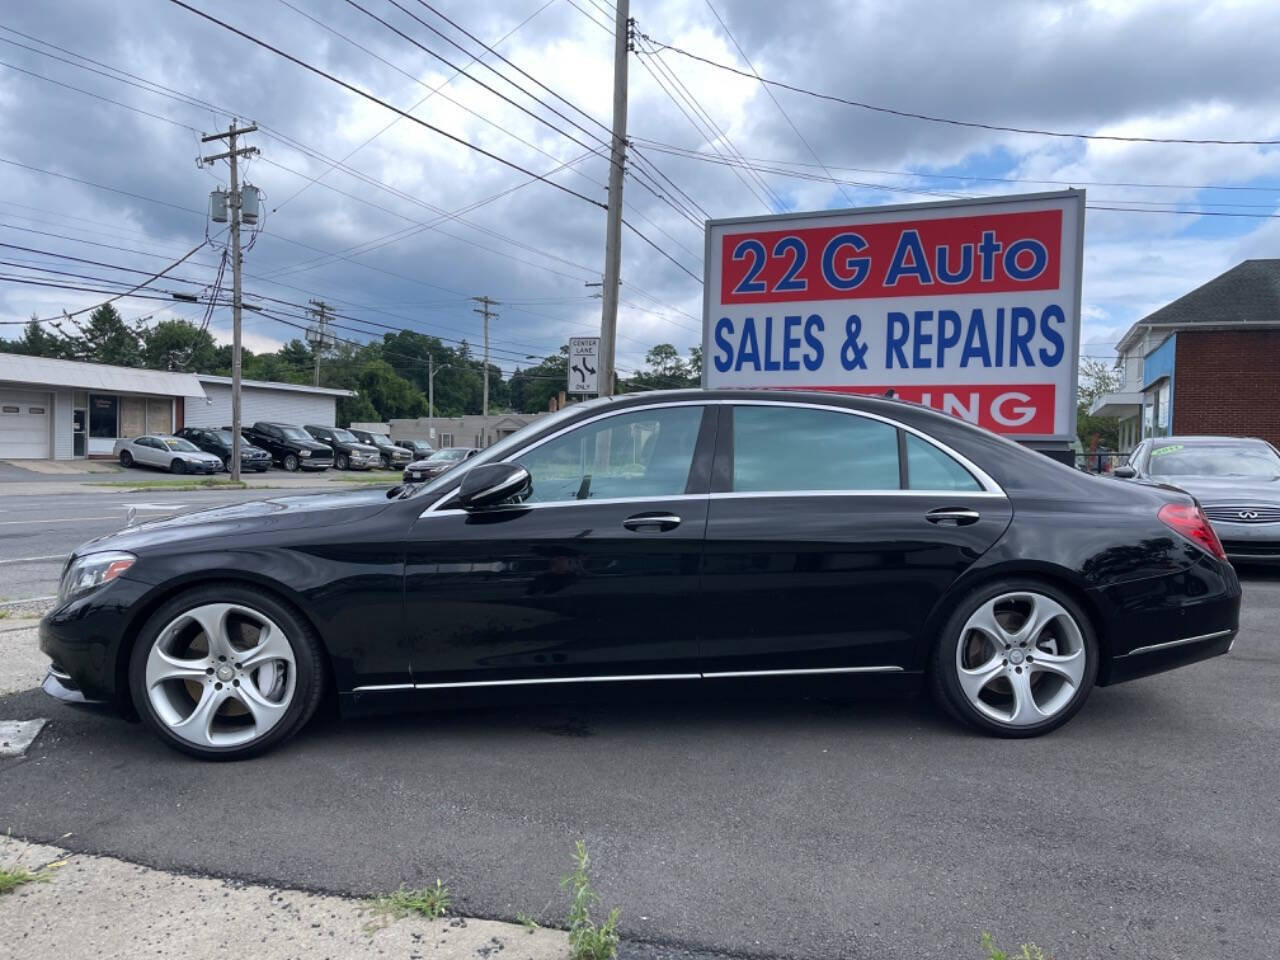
pixel 1190 521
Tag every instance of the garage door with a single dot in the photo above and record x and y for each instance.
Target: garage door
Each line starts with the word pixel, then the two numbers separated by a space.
pixel 24 425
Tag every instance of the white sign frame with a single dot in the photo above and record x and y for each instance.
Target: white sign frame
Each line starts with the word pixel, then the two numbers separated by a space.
pixel 1067 294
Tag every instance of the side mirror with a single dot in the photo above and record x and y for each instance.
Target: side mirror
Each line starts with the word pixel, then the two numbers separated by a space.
pixel 1124 472
pixel 493 483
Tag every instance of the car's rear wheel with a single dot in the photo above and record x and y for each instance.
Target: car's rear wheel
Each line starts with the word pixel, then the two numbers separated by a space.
pixel 177 466
pixel 126 458
pixel 291 462
pixel 1016 659
pixel 342 463
pixel 225 672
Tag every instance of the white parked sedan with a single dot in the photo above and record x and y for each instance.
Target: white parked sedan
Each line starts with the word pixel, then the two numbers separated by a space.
pixel 169 453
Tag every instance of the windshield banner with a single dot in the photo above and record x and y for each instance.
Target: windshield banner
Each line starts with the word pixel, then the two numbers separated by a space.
pixel 972 307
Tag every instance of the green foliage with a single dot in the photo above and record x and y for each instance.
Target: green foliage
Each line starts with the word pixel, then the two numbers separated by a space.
pixel 531 390
pixel 1097 378
pixel 531 925
pixel 429 902
pixel 1028 951
pixel 11 878
pixel 107 339
pixel 36 341
pixel 179 345
pixel 587 940
pixel 666 370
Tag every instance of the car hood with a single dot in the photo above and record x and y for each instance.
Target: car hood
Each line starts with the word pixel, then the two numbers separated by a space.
pixel 254 516
pixel 1257 490
pixel 196 455
pixel 432 464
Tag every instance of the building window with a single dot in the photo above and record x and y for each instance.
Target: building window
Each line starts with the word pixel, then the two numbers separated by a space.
pixel 103 412
pixel 159 415
pixel 446 440
pixel 133 416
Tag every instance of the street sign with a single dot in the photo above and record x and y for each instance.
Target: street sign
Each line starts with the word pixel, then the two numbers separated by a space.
pixel 969 306
pixel 584 364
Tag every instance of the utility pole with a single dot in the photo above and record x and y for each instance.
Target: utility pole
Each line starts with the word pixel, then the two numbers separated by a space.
pixel 623 40
pixel 486 312
pixel 431 391
pixel 318 333
pixel 235 203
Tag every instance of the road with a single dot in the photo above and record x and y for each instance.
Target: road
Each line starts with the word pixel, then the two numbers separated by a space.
pixel 37 534
pixel 1147 828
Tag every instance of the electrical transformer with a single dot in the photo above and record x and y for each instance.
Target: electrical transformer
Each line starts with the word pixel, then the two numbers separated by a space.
pixel 218 206
pixel 249 203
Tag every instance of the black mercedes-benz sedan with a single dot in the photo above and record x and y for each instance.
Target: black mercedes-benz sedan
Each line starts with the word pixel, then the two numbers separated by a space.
pixel 684 540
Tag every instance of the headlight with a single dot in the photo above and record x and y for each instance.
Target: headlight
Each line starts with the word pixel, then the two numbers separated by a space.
pixel 93 570
pixel 304 453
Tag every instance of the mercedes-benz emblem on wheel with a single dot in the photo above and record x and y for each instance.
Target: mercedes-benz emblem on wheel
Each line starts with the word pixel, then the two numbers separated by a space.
pixel 1248 514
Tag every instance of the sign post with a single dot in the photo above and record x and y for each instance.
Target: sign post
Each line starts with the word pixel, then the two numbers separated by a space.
pixel 968 306
pixel 584 366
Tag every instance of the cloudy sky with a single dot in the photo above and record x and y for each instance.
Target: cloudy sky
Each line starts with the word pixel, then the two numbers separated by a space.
pixel 398 225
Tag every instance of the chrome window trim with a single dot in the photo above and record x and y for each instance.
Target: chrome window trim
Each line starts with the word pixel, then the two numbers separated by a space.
pixel 620 678
pixel 989 486
pixel 1154 647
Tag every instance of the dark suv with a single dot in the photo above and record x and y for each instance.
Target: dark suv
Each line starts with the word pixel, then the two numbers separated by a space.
pixel 393 457
pixel 419 449
pixel 348 452
pixel 290 446
pixel 218 442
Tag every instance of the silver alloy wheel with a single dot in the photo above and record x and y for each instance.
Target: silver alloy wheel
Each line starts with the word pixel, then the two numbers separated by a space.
pixel 214 681
pixel 1020 658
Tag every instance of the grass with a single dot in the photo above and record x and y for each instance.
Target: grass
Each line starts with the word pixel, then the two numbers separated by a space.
pixel 177 483
pixel 1028 951
pixel 373 476
pixel 587 939
pixel 429 902
pixel 531 925
pixel 11 878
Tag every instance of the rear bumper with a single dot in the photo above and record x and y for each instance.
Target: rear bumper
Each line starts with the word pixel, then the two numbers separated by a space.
pixel 1159 657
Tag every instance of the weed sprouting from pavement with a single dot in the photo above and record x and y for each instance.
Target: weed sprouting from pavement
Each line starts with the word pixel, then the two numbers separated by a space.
pixel 429 902
pixel 11 878
pixel 530 925
pixel 587 941
pixel 1028 951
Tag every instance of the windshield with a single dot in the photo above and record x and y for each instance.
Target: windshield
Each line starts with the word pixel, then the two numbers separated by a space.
pixel 296 433
pixel 224 436
pixel 450 454
pixel 182 446
pixel 380 439
pixel 346 436
pixel 1214 460
pixel 504 446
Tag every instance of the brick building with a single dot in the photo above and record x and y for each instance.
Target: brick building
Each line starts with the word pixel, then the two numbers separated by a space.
pixel 1207 363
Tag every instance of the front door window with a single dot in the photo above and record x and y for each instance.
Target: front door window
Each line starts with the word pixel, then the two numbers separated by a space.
pixel 643 454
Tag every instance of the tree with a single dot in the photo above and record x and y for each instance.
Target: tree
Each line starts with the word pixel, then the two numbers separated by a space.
pixel 667 370
pixel 1097 378
pixel 390 394
pixel 356 409
pixel 531 390
pixel 179 345
pixel 106 339
pixel 36 341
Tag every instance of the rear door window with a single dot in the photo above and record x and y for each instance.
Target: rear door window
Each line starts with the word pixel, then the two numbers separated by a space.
pixel 781 449
pixel 928 468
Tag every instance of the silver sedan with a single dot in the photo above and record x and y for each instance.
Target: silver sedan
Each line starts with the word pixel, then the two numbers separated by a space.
pixel 169 453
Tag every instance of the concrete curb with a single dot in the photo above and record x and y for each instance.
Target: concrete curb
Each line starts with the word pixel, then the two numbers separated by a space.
pixel 87 906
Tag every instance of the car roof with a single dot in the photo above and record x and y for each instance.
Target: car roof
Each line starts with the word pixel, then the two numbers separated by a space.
pixel 1202 438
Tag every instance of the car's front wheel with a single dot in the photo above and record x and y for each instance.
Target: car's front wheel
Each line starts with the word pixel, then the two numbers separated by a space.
pixel 1016 659
pixel 291 462
pixel 177 466
pixel 342 463
pixel 126 458
pixel 225 671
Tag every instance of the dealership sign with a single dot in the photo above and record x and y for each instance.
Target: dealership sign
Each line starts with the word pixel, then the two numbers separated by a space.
pixel 972 307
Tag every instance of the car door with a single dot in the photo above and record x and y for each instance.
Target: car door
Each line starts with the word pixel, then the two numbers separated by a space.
pixel 147 450
pixel 595 576
pixel 831 535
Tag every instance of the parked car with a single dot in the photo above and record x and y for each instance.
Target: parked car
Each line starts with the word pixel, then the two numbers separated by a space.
pixel 348 452
pixel 1236 480
pixel 418 449
pixel 437 463
pixel 218 442
pixel 391 455
pixel 168 453
pixel 693 540
pixel 290 446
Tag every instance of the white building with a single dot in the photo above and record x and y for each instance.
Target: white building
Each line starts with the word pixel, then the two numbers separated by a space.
pixel 66 409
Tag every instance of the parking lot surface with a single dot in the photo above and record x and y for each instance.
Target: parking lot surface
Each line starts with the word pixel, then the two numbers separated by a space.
pixel 1147 827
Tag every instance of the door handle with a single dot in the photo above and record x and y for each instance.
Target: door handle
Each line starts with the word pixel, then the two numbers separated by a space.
pixel 958 516
pixel 660 521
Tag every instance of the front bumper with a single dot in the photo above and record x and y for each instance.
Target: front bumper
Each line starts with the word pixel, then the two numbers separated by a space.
pixel 1249 542
pixel 313 464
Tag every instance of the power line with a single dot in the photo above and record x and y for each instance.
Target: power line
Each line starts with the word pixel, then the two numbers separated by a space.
pixel 380 102
pixel 909 115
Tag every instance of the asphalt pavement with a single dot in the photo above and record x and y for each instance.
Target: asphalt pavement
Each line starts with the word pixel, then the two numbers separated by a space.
pixel 1146 828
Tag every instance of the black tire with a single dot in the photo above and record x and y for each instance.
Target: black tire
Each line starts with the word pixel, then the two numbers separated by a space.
pixel 385 462
pixel 341 462
pixel 177 466
pixel 290 462
pixel 944 678
pixel 126 458
pixel 226 464
pixel 309 660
